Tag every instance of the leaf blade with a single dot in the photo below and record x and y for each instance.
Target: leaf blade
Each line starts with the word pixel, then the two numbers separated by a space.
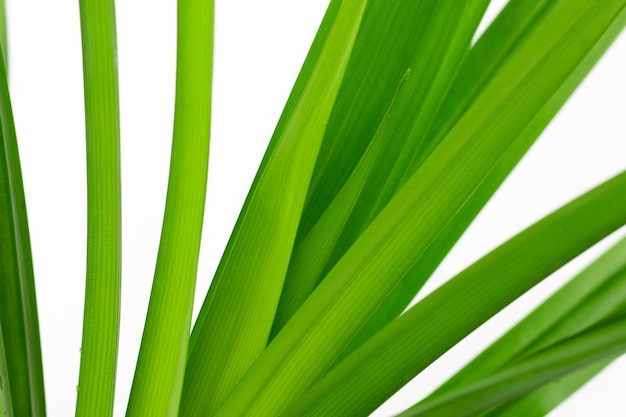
pixel 101 314
pixel 407 345
pixel 18 305
pixel 592 296
pixel 405 291
pixel 158 380
pixel 6 405
pixel 597 344
pixel 413 218
pixel 436 55
pixel 236 318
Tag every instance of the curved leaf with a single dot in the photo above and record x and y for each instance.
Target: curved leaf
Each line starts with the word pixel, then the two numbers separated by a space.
pixel 407 345
pixel 595 294
pixel 437 54
pixel 387 250
pixel 600 343
pixel 496 39
pixel 104 241
pixel 18 306
pixel 236 318
pixel 158 381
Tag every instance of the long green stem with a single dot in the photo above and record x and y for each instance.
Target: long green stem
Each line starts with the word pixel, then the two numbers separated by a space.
pixel 102 293
pixel 160 369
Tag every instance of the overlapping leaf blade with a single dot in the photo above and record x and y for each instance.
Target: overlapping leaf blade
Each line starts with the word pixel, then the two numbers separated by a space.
pixel 488 54
pixel 601 342
pixel 382 54
pixel 509 29
pixel 595 294
pixel 443 189
pixel 407 345
pixel 18 307
pixel 234 324
pixel 445 37
pixel 541 401
pixel 495 44
pixel 414 217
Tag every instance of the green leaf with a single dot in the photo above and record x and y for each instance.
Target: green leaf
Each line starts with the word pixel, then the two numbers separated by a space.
pixel 592 296
pixel 4 46
pixel 602 342
pixel 159 375
pixel 541 401
pixel 18 306
pixel 496 39
pixel 236 318
pixel 407 345
pixel 375 69
pixel 437 55
pixel 98 362
pixel 6 408
pixel 499 41
pixel 387 250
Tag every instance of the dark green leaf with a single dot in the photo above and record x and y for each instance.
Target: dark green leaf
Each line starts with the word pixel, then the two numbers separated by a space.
pixel 18 306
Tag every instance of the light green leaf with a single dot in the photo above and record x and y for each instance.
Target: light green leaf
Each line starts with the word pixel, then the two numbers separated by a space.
pixel 159 375
pixel 541 401
pixel 384 253
pixel 407 345
pixel 496 39
pixel 4 46
pixel 437 55
pixel 98 360
pixel 592 296
pixel 383 51
pixel 499 41
pixel 236 318
pixel 602 342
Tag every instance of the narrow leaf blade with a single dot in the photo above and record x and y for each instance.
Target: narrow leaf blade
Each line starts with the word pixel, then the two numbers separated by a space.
pixel 6 406
pixel 595 294
pixel 18 306
pixel 410 222
pixel 98 360
pixel 436 55
pixel 600 343
pixel 493 40
pixel 236 319
pixel 407 345
pixel 158 381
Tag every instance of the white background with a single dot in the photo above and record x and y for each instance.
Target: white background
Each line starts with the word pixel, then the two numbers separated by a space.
pixel 259 49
